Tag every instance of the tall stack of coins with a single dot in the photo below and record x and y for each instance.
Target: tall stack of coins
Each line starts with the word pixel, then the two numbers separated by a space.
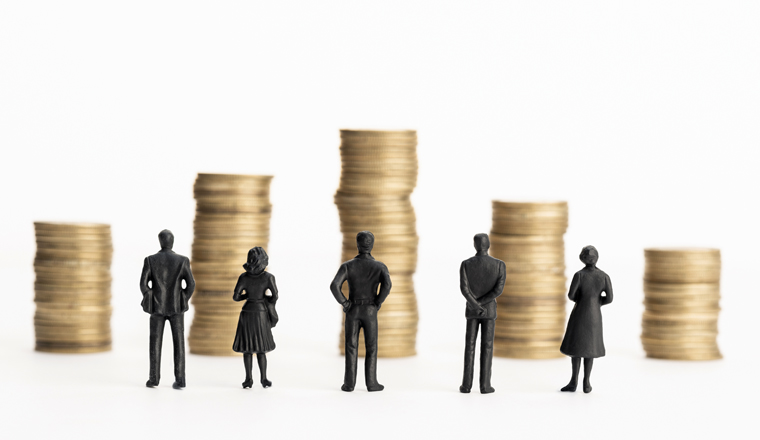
pixel 681 296
pixel 232 216
pixel 528 237
pixel 379 173
pixel 72 289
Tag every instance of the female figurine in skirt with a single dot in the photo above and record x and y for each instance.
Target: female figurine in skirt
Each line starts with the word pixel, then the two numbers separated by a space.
pixel 254 330
pixel 583 337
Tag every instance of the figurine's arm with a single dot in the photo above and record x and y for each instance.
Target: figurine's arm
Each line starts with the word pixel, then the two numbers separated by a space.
pixel 189 280
pixel 498 288
pixel 574 287
pixel 238 294
pixel 385 287
pixel 145 277
pixel 336 284
pixel 464 286
pixel 273 289
pixel 608 290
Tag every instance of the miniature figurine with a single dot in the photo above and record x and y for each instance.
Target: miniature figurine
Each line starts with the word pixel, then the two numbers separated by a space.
pixel 363 274
pixel 165 299
pixel 481 280
pixel 583 337
pixel 258 316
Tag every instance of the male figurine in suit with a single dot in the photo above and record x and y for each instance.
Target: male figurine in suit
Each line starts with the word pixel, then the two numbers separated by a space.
pixel 165 299
pixel 481 280
pixel 363 274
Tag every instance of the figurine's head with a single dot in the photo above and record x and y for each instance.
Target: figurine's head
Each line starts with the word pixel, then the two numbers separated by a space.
pixel 364 242
pixel 166 238
pixel 258 260
pixel 589 256
pixel 482 243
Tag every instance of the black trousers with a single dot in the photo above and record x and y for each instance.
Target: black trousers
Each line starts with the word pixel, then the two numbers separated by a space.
pixel 361 317
pixel 486 351
pixel 157 323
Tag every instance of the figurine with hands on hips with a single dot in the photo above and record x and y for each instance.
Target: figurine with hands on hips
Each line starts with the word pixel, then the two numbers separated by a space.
pixel 165 300
pixel 363 274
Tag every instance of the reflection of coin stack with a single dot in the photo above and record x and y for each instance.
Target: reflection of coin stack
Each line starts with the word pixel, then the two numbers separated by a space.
pixel 681 295
pixel 73 287
pixel 232 216
pixel 379 173
pixel 531 310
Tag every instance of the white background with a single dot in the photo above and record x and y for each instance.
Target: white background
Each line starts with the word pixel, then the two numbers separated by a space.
pixel 642 115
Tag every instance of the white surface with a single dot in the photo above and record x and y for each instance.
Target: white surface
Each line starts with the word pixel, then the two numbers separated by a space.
pixel 642 115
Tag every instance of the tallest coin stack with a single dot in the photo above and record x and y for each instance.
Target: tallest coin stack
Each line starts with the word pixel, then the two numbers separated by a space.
pixel 379 173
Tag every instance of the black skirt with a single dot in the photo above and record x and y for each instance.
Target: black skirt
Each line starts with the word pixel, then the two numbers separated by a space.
pixel 254 333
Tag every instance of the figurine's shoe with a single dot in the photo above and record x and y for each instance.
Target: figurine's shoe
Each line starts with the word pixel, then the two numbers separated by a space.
pixel 178 385
pixel 463 389
pixel 266 383
pixel 586 388
pixel 487 390
pixel 346 388
pixel 248 383
pixel 375 387
pixel 570 387
pixel 151 383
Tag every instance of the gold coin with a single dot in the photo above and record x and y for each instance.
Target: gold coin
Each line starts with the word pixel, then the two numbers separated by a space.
pixel 533 353
pixel 706 356
pixel 72 350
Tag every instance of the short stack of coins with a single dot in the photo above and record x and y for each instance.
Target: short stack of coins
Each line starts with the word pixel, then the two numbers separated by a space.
pixel 72 289
pixel 528 237
pixel 379 173
pixel 232 216
pixel 681 303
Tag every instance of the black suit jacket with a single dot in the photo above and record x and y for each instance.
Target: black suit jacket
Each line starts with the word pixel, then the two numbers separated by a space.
pixel 481 280
pixel 166 270
pixel 363 274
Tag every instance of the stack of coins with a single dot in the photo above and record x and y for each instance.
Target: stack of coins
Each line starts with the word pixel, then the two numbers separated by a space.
pixel 528 237
pixel 379 173
pixel 72 290
pixel 681 296
pixel 232 216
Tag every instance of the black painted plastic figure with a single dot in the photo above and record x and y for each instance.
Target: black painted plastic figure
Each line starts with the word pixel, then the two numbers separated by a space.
pixel 363 274
pixel 583 337
pixel 254 331
pixel 481 280
pixel 165 300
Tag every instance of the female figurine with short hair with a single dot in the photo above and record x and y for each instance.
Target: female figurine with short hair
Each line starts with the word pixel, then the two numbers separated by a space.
pixel 258 316
pixel 583 337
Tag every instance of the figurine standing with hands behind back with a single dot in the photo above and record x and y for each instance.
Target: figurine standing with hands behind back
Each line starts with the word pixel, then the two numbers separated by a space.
pixel 583 337
pixel 258 316
pixel 481 280
pixel 363 274
pixel 165 300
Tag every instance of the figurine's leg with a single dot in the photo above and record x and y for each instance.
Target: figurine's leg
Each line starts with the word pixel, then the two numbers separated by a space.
pixel 588 363
pixel 262 359
pixel 369 323
pixel 573 380
pixel 469 355
pixel 352 341
pixel 156 338
pixel 486 354
pixel 177 323
pixel 248 363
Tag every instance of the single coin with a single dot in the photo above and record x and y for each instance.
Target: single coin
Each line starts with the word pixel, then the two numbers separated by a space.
pixel 72 350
